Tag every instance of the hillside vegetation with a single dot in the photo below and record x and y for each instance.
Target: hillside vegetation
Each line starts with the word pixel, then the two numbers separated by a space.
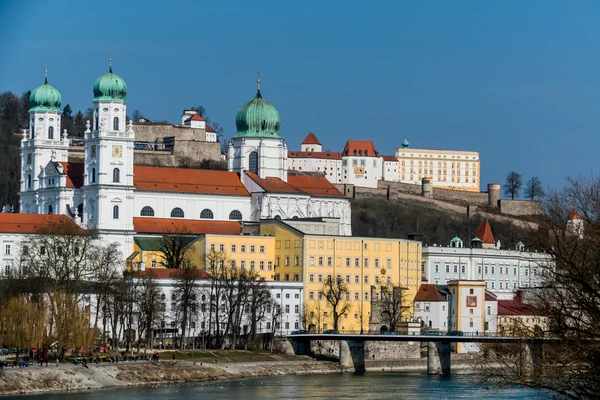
pixel 377 217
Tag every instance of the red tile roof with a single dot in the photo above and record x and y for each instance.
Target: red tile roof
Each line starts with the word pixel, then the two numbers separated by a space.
pixel 489 296
pixel 314 185
pixel 183 180
pixel 32 223
pixel 195 117
pixel 274 185
pixel 333 155
pixel 360 148
pixel 169 273
pixel 389 158
pixel 574 215
pixel 429 292
pixel 74 172
pixel 311 138
pixel 514 307
pixel 210 129
pixel 484 233
pixel 185 226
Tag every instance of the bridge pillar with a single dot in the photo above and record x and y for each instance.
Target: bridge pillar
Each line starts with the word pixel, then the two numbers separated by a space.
pixel 438 358
pixel 352 355
pixel 529 359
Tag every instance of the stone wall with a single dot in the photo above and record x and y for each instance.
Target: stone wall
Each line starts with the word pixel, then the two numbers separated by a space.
pixel 392 350
pixel 520 207
pixel 154 158
pixel 157 131
pixel 463 197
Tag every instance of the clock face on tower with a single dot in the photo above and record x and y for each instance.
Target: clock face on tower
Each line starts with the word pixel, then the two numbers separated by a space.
pixel 117 151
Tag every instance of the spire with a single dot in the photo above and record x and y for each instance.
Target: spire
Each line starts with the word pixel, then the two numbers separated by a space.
pixel 46 76
pixel 258 81
pixel 110 64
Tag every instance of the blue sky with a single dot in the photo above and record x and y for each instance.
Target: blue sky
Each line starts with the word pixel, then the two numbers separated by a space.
pixel 518 81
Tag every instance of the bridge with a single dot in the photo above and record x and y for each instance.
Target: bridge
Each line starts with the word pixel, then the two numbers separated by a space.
pixel 352 347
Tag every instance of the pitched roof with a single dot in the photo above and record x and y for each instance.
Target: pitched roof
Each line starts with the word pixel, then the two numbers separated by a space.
pixel 311 138
pixel 514 307
pixel 195 117
pixel 32 223
pixel 360 148
pixel 74 172
pixel 210 129
pixel 314 185
pixel 333 155
pixel 169 273
pixel 484 233
pixel 183 180
pixel 274 185
pixel 429 292
pixel 389 158
pixel 489 296
pixel 187 226
pixel 574 215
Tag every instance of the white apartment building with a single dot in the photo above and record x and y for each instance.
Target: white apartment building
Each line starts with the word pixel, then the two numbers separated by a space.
pixel 504 271
pixel 448 169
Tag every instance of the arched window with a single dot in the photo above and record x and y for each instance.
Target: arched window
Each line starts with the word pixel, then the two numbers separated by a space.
pixel 147 212
pixel 50 209
pixel 235 214
pixel 177 213
pixel 29 181
pixel 163 297
pixel 116 175
pixel 116 123
pixel 253 162
pixel 50 132
pixel 93 175
pixel 206 214
pixel 115 212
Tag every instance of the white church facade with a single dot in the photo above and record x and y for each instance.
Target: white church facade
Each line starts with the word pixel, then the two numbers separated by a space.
pixel 107 193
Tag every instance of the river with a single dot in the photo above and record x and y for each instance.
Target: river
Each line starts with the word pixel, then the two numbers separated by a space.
pixel 337 386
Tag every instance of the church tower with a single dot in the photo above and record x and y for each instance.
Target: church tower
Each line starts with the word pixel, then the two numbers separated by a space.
pixel 108 163
pixel 257 146
pixel 41 144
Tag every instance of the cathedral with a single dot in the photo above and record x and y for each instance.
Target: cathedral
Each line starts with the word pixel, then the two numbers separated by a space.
pixel 109 195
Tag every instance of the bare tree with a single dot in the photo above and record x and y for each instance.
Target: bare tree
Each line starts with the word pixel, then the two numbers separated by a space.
pixel 186 291
pixel 533 188
pixel 334 290
pixel 569 299
pixel 392 305
pixel 259 299
pixel 147 299
pixel 513 184
pixel 175 250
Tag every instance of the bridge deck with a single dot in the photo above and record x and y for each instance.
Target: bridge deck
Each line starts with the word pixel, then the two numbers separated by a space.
pixel 413 338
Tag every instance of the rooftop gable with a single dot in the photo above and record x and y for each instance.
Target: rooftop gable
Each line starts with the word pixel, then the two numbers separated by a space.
pixel 484 233
pixel 364 148
pixel 274 185
pixel 429 292
pixel 311 138
pixel 314 185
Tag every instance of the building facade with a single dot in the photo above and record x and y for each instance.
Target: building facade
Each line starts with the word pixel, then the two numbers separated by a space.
pixel 447 169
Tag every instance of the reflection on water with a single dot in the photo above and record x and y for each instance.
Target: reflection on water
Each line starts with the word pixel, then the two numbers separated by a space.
pixel 338 386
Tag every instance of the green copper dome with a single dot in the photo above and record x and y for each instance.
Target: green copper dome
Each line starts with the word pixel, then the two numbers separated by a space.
pixel 405 143
pixel 45 98
pixel 110 87
pixel 258 118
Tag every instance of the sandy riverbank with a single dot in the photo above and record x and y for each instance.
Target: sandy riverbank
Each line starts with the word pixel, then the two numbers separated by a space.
pixel 36 380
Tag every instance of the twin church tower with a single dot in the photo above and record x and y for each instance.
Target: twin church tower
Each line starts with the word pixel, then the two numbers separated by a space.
pixel 100 193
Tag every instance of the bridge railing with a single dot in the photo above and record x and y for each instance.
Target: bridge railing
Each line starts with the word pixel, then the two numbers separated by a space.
pixel 424 333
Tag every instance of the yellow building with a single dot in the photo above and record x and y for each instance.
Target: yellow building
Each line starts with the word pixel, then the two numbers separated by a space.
pixel 467 311
pixel 447 169
pixel 280 252
pixel 358 262
pixel 516 317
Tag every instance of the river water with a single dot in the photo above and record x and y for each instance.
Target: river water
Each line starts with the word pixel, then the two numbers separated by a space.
pixel 334 386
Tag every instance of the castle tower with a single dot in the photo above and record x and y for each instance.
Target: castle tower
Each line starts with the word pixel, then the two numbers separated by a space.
pixel 257 147
pixel 108 162
pixel 41 144
pixel 575 224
